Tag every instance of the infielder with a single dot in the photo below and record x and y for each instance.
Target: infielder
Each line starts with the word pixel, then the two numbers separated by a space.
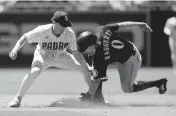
pixel 53 42
pixel 170 30
pixel 109 47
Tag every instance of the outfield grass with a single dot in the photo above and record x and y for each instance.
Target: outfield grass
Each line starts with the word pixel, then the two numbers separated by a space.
pixel 56 92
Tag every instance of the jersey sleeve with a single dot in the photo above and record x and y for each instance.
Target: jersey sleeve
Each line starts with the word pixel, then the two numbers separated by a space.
pixel 102 29
pixel 100 73
pixel 73 43
pixel 33 36
pixel 169 26
pixel 113 27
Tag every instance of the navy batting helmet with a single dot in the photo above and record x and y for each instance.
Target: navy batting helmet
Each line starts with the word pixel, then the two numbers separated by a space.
pixel 86 39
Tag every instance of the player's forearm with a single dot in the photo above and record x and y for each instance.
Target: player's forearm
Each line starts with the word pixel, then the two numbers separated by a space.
pixel 93 87
pixel 76 53
pixel 80 58
pixel 19 44
pixel 129 24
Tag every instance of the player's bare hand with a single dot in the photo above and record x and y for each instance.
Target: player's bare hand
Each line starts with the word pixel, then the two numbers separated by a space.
pixel 145 27
pixel 13 55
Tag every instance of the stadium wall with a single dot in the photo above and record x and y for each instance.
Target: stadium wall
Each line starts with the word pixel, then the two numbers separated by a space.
pixel 13 25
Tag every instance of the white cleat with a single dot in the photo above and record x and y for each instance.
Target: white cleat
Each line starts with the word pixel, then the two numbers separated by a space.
pixel 16 102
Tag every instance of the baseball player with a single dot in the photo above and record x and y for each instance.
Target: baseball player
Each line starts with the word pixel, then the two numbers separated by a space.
pixel 109 47
pixel 170 30
pixel 54 40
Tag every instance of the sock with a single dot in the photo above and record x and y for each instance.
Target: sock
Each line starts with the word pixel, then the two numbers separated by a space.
pixel 142 85
pixel 99 93
pixel 93 87
pixel 27 81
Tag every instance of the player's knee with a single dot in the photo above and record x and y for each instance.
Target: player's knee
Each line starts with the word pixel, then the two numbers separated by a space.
pixel 35 72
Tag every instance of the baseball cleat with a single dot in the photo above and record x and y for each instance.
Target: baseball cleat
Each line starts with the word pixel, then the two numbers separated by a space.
pixel 85 97
pixel 16 102
pixel 163 86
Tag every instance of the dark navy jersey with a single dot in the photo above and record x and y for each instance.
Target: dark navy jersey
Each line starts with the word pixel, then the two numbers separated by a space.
pixel 110 48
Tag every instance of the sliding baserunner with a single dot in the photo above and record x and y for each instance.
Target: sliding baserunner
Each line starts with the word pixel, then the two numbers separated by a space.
pixel 108 47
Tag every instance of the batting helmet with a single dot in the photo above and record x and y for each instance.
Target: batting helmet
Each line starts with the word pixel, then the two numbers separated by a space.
pixel 86 39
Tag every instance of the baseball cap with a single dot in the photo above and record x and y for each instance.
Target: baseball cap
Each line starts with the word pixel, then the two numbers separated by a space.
pixel 61 17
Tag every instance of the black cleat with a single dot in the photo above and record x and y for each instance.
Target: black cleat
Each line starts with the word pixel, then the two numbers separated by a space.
pixel 85 97
pixel 162 86
pixel 16 102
